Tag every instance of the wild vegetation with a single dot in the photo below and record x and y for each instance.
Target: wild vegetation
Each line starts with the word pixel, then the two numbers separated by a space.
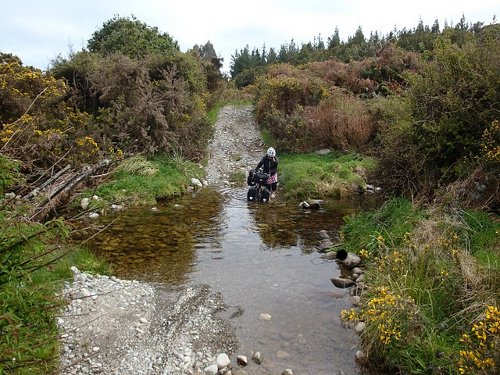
pixel 425 105
pixel 128 111
pixel 432 300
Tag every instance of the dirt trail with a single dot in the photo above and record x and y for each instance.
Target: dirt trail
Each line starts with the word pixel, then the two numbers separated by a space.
pixel 113 326
pixel 236 144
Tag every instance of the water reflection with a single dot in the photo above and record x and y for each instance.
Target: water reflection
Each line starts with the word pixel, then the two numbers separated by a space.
pixel 161 245
pixel 259 256
pixel 283 225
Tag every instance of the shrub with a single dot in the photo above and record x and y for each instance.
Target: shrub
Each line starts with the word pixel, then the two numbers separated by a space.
pixel 340 121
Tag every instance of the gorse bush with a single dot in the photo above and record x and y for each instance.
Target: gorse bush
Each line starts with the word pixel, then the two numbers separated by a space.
pixel 38 128
pixel 130 37
pixel 446 134
pixel 148 105
pixel 425 289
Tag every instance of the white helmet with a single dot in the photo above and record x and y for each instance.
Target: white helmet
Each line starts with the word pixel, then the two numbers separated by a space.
pixel 271 152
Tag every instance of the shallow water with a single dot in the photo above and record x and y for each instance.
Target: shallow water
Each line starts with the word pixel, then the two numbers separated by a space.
pixel 261 257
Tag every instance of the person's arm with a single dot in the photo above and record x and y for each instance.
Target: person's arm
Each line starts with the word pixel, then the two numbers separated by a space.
pixel 261 163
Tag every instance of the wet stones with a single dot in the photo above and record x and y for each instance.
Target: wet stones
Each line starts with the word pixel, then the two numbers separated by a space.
pixel 352 277
pixel 340 282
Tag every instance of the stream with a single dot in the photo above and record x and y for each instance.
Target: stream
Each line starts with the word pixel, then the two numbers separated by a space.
pixel 261 257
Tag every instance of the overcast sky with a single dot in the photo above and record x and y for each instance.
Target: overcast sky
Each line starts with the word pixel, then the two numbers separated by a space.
pixel 39 30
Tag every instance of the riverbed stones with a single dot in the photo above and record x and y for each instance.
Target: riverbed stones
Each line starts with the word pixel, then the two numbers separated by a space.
pixel 360 327
pixel 351 261
pixel 257 358
pixel 242 360
pixel 341 282
pixel 265 316
pixel 223 361
pixel 127 327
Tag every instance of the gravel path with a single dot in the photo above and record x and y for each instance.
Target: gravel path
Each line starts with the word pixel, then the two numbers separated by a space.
pixel 236 145
pixel 113 326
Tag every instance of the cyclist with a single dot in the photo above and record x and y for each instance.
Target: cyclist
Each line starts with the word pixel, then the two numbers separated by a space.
pixel 269 162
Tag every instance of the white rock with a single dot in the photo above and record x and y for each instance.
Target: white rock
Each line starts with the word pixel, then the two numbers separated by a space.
pixel 96 198
pixel 93 215
pixel 223 361
pixel 10 195
pixel 265 316
pixel 211 370
pixel 84 203
pixel 360 328
pixel 196 182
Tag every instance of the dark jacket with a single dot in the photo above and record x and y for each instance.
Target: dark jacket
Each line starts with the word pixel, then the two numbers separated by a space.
pixel 270 165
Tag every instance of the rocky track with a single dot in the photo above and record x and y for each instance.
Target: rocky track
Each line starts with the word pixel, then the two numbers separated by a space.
pixel 113 326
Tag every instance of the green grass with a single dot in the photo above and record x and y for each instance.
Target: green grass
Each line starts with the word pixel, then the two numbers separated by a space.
pixel 318 176
pixel 136 184
pixel 482 232
pixel 392 221
pixel 34 261
pixel 420 288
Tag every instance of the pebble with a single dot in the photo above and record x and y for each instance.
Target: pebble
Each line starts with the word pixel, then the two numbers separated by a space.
pixel 265 316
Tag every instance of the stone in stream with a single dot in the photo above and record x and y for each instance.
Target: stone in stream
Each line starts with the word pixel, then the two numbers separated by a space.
pixel 242 360
pixel 223 361
pixel 323 234
pixel 257 358
pixel 265 316
pixel 340 282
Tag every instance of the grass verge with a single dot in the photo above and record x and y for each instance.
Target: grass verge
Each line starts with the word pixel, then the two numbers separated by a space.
pixel 141 181
pixel 335 174
pixel 35 259
pixel 432 302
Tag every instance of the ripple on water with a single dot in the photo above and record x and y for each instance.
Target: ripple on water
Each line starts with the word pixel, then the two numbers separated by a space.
pixel 260 256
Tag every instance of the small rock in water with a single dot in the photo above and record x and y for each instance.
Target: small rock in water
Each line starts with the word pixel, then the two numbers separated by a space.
pixel 257 358
pixel 265 316
pixel 340 282
pixel 242 360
